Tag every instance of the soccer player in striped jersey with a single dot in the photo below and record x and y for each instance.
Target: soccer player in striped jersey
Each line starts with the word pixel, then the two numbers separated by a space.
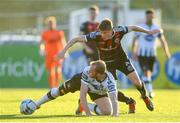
pixel 108 42
pixel 144 49
pixel 95 81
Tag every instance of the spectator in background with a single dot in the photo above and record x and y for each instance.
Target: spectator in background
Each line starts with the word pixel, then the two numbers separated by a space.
pixel 53 41
pixel 91 25
pixel 145 52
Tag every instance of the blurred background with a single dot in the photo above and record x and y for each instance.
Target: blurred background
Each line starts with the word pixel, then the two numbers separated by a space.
pixel 22 21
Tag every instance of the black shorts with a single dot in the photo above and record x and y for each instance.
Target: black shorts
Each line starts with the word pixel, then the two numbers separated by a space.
pixel 146 63
pixel 72 85
pixel 124 65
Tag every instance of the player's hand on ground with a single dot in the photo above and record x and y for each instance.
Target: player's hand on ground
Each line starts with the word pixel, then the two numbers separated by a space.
pixel 151 32
pixel 88 114
pixel 115 115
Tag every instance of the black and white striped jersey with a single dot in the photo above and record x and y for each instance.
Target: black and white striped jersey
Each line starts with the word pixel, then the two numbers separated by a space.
pixel 108 85
pixel 146 43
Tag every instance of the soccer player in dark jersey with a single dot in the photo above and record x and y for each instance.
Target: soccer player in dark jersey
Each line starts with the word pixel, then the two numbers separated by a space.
pixel 108 42
pixel 91 25
pixel 91 52
pixel 145 51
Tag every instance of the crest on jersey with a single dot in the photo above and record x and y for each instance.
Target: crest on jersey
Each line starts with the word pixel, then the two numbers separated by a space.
pixel 149 38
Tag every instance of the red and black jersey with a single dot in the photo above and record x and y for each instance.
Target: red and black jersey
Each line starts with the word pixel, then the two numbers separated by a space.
pixel 109 50
pixel 88 27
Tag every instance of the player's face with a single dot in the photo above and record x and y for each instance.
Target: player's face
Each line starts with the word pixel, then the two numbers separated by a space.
pixel 51 25
pixel 106 34
pixel 92 71
pixel 149 17
pixel 92 14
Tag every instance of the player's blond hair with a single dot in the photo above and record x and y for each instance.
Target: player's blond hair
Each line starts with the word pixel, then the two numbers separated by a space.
pixel 100 66
pixel 50 18
pixel 150 11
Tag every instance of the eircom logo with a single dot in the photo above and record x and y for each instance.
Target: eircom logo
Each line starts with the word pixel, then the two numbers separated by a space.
pixel 21 68
pixel 172 68
pixel 74 64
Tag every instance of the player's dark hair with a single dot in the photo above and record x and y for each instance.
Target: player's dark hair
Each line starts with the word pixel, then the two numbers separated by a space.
pixel 100 66
pixel 150 11
pixel 106 25
pixel 94 8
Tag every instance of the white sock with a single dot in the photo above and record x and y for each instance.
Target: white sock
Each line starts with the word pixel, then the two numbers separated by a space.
pixel 94 108
pixel 42 100
pixel 148 84
pixel 54 92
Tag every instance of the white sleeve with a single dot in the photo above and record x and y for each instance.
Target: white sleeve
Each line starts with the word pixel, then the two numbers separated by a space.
pixel 111 84
pixel 84 76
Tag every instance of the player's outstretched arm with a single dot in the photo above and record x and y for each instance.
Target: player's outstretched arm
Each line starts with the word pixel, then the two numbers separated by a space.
pixel 83 99
pixel 114 102
pixel 140 29
pixel 70 44
pixel 165 45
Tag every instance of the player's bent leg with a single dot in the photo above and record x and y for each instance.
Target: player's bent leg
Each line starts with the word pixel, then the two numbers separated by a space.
pixel 71 85
pixel 128 100
pixel 148 82
pixel 133 76
pixel 104 105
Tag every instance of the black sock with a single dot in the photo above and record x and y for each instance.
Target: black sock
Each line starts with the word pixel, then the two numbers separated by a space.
pixel 142 90
pixel 123 98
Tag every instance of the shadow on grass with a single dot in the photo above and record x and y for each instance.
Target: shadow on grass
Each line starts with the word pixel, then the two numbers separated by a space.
pixel 9 101
pixel 18 116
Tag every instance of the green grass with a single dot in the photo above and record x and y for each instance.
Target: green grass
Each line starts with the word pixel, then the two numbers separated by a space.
pixel 62 110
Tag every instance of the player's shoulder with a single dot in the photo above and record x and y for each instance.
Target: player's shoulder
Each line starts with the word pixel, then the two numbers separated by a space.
pixel 84 76
pixel 86 69
pixel 110 76
pixel 61 32
pixel 155 26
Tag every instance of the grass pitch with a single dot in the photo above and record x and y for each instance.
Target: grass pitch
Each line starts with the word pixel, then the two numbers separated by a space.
pixel 167 108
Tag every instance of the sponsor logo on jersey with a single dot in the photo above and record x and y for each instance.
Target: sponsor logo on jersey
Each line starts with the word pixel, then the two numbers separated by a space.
pixel 149 38
pixel 172 68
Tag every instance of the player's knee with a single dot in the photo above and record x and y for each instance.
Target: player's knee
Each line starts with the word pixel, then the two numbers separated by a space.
pixel 62 90
pixel 106 112
pixel 53 93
